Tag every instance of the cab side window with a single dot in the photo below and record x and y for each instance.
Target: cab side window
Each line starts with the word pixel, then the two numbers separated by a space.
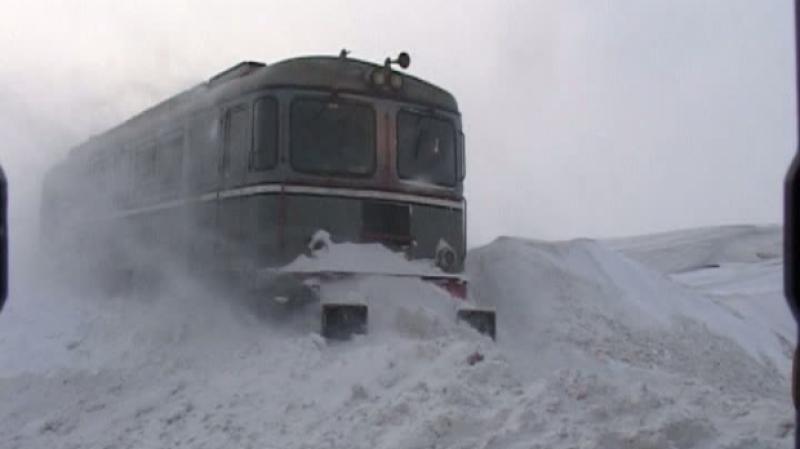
pixel 265 134
pixel 237 143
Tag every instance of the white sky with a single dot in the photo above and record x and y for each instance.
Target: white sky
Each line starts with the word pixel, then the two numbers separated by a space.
pixel 583 118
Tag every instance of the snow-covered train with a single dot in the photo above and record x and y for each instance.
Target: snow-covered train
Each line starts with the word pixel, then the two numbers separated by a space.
pixel 238 174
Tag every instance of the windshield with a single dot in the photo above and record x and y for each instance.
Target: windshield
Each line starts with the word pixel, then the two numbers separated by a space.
pixel 332 137
pixel 426 148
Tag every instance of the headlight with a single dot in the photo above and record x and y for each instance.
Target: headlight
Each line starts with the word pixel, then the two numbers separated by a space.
pixel 396 81
pixel 445 258
pixel 378 77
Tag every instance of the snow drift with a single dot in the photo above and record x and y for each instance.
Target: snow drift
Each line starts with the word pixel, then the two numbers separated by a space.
pixel 679 340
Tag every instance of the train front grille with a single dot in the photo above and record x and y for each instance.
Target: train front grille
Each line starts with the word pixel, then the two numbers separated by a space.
pixel 386 222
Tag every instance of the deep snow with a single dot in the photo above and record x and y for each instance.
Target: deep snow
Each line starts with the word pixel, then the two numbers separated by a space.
pixel 679 340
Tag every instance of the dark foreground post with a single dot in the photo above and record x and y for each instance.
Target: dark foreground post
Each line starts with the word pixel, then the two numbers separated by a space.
pixel 791 234
pixel 791 268
pixel 3 240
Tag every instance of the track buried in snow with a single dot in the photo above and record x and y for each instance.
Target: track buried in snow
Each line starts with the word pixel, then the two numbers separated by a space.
pixel 598 347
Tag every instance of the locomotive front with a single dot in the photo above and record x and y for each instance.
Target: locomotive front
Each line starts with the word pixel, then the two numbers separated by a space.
pixel 360 151
pixel 259 167
pixel 369 155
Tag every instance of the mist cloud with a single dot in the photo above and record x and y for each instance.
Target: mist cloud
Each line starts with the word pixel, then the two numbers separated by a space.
pixel 582 118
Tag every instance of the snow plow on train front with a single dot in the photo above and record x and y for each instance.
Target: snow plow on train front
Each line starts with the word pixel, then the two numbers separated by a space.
pixel 257 174
pixel 329 274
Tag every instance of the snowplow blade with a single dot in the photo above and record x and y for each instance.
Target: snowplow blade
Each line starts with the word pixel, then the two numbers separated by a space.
pixel 482 320
pixel 342 321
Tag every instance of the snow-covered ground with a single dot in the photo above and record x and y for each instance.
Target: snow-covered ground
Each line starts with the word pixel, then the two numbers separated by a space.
pixel 679 340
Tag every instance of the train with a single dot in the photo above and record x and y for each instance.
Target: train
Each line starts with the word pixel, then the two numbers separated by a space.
pixel 237 175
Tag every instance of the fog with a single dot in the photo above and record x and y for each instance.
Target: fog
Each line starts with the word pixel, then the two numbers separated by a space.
pixel 582 118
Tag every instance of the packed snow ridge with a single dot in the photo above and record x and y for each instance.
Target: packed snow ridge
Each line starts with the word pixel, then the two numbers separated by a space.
pixel 679 340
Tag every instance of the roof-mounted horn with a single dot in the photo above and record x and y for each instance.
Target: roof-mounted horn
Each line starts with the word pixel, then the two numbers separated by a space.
pixel 403 60
pixel 385 77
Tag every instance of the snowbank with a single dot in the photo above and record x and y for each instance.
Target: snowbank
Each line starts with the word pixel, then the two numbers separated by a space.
pixel 665 343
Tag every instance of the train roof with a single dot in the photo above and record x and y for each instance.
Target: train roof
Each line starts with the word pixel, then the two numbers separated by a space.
pixel 342 74
pixel 347 75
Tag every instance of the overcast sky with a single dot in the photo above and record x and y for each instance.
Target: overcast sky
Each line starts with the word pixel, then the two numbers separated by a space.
pixel 583 118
